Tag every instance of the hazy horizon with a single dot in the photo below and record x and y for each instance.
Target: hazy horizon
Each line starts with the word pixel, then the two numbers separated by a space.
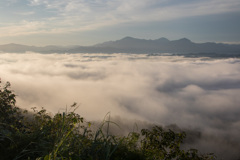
pixel 110 40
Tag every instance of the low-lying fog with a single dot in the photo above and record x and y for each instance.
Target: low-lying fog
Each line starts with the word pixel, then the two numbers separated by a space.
pixel 198 94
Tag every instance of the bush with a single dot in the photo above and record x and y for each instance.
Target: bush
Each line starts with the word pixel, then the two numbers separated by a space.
pixel 68 136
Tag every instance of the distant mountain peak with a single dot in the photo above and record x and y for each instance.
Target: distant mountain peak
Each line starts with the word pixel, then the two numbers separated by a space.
pixel 131 45
pixel 128 38
pixel 184 40
pixel 162 39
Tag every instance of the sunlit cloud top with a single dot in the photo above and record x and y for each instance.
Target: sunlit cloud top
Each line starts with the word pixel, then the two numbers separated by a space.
pixel 35 18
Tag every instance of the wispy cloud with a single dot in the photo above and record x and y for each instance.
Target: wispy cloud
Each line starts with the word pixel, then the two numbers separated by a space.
pixel 75 15
pixel 25 13
pixel 23 28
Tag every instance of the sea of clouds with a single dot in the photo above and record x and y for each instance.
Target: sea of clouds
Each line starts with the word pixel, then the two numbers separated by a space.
pixel 200 95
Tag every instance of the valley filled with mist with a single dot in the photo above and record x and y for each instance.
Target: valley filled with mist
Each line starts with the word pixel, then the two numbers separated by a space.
pixel 196 94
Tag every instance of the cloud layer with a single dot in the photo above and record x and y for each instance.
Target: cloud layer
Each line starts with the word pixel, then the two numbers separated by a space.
pixel 198 94
pixel 66 16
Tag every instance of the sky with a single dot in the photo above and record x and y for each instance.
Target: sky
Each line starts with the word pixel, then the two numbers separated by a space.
pixel 88 22
pixel 198 94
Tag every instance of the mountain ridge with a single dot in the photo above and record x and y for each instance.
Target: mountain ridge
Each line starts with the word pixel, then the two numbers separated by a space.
pixel 132 45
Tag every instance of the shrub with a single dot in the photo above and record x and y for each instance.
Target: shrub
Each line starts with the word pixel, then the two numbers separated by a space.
pixel 68 136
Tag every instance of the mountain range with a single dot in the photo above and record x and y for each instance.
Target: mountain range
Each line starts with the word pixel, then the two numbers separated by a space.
pixel 134 45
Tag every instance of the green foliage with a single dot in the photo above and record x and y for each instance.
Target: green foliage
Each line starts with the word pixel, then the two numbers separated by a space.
pixel 160 144
pixel 67 136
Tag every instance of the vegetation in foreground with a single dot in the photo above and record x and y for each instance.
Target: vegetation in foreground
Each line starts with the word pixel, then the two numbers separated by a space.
pixel 67 136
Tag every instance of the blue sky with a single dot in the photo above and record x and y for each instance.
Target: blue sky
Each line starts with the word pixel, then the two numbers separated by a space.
pixel 87 22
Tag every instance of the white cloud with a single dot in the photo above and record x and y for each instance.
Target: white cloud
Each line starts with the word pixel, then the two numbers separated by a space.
pixel 191 93
pixel 75 15
pixel 25 13
pixel 23 28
